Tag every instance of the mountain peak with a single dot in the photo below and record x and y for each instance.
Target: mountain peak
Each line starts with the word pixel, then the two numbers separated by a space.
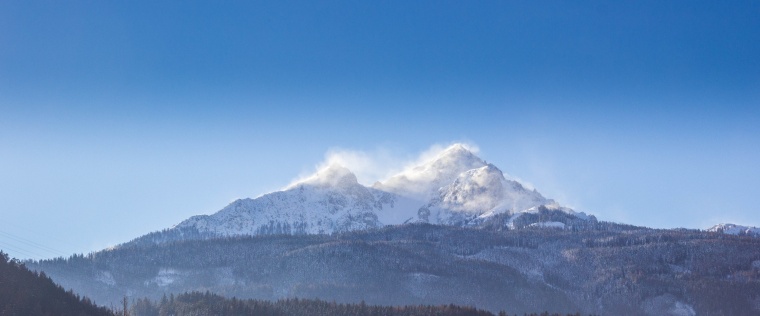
pixel 424 180
pixel 331 175
pixel 483 192
pixel 455 156
pixel 455 159
pixel 457 147
pixel 457 150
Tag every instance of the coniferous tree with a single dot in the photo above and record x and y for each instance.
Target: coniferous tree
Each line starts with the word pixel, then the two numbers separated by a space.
pixel 23 292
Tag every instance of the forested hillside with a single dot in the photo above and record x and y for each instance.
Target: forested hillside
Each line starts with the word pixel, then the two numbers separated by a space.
pixel 23 292
pixel 609 269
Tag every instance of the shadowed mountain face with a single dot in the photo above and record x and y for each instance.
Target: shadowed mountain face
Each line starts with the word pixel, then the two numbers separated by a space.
pixel 597 268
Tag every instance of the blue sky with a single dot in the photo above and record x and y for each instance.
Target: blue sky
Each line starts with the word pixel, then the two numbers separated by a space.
pixel 122 118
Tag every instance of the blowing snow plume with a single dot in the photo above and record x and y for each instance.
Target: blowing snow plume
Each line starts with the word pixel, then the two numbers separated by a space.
pixel 381 163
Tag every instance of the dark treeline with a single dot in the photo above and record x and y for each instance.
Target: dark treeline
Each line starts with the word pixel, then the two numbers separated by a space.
pixel 23 292
pixel 196 303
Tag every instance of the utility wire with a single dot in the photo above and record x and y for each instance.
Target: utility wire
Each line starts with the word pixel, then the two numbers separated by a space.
pixel 25 252
pixel 32 243
pixel 28 248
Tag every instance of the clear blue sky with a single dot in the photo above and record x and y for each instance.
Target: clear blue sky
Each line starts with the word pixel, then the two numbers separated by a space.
pixel 118 118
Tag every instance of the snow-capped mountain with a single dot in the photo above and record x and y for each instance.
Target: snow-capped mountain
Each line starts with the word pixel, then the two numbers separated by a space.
pixel 453 188
pixel 423 181
pixel 329 201
pixel 733 229
pixel 481 193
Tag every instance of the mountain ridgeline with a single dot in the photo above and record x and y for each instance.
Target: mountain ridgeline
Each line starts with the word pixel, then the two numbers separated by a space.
pixel 453 230
pixel 454 188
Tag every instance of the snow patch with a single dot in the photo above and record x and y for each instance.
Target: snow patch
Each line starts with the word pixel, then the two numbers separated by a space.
pixel 682 309
pixel 165 277
pixel 555 225
pixel 667 304
pixel 420 284
pixel 105 277
pixel 733 229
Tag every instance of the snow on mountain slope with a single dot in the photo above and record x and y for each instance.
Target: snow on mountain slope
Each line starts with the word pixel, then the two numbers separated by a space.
pixel 551 206
pixel 480 193
pixel 329 201
pixel 422 182
pixel 455 188
pixel 733 229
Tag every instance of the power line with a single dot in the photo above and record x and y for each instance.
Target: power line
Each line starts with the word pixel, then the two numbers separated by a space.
pixel 22 251
pixel 27 248
pixel 32 243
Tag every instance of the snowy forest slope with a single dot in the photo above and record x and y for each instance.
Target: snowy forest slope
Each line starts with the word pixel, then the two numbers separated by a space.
pixel 606 269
